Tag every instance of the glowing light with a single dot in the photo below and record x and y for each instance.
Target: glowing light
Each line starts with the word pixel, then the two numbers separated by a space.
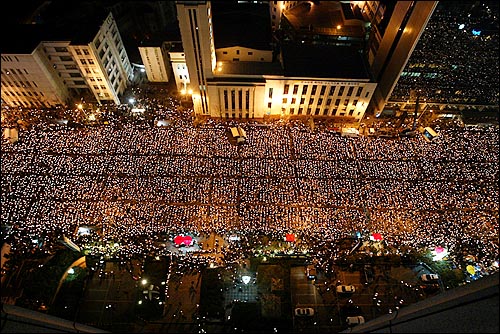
pixel 71 271
pixel 183 91
pixel 339 26
pixel 461 26
pixel 246 279
pixel 144 282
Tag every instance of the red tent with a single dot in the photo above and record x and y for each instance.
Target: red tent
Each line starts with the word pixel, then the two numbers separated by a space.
pixel 183 240
pixel 376 236
pixel 290 237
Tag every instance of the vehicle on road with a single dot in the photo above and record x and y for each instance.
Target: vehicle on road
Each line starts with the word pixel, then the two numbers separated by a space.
pixel 304 312
pixel 355 320
pixel 311 271
pixel 346 289
pixel 429 277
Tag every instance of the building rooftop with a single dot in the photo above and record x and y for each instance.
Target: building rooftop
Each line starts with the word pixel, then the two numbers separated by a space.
pixel 324 62
pixel 248 68
pixel 323 17
pixel 241 24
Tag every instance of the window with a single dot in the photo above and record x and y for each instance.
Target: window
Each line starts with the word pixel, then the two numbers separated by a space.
pixel 337 102
pixel 311 101
pixel 269 105
pixel 240 99
pixel 236 59
pixel 83 61
pixel 323 90
pixel 294 100
pixel 74 75
pixel 313 91
pixel 224 52
pixel 367 93
pixel 250 53
pixel 60 49
pixel 302 100
pixel 320 101
pixel 292 110
pixel 66 58
pixel 325 112
pixel 349 91
pixel 237 52
pixel 341 90
pixel 317 111
pixel 328 102
pixel 355 102
pixel 346 102
pixel 351 112
pixel 360 89
pixel 300 111
pixel 270 92
pixel 247 99
pixel 332 90
pixel 304 89
pixel 86 52
pixel 91 61
pixel 295 89
pixel 233 99
pixel 285 90
pixel 309 111
pixel 225 100
pixel 285 100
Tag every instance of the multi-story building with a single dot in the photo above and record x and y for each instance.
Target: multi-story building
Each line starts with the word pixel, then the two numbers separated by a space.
pixel 395 29
pixel 156 62
pixel 165 62
pixel 178 64
pixel 58 65
pixel 250 78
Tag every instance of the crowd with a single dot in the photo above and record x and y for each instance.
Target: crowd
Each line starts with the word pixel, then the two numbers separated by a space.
pixel 137 185
pixel 450 63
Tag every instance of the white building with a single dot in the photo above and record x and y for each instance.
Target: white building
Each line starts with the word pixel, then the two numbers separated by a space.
pixel 44 69
pixel 156 62
pixel 248 78
pixel 178 64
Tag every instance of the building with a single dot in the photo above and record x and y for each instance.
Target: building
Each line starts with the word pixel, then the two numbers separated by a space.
pixel 164 62
pixel 57 62
pixel 320 59
pixel 156 62
pixel 178 64
pixel 395 29
pixel 238 70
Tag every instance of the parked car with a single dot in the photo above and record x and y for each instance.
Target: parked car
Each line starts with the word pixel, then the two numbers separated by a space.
pixel 346 288
pixel 311 271
pixel 429 277
pixel 304 312
pixel 355 320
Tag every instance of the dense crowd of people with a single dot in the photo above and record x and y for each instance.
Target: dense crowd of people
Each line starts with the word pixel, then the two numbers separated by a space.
pixel 137 185
pixel 456 58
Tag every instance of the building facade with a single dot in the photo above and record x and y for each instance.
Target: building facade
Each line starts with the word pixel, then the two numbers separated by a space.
pixel 247 83
pixel 156 62
pixel 57 71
